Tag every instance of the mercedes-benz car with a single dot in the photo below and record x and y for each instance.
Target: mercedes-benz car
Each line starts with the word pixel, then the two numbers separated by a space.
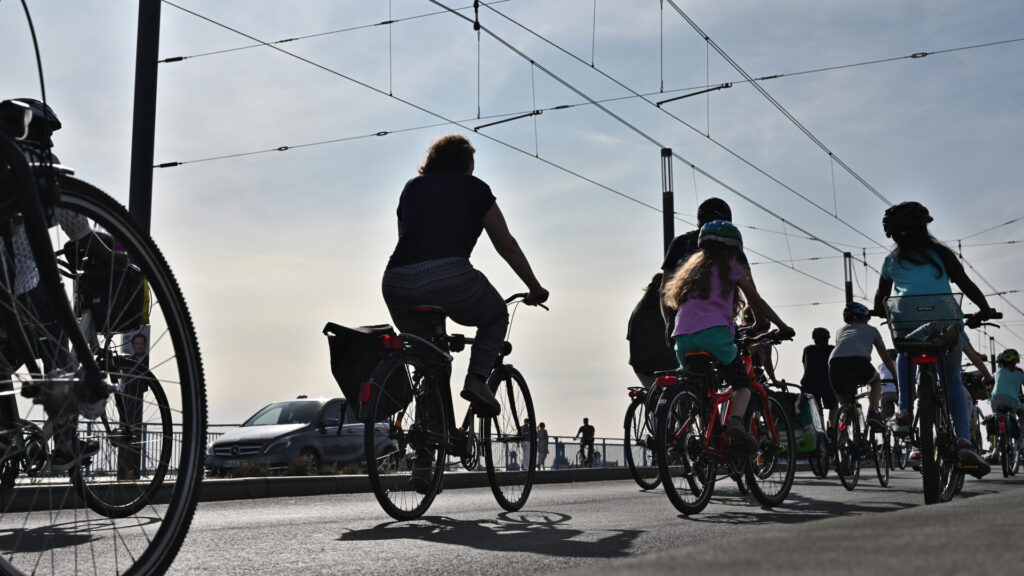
pixel 322 430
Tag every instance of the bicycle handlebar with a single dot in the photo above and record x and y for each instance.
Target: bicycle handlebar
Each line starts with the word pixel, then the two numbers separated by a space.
pixel 521 297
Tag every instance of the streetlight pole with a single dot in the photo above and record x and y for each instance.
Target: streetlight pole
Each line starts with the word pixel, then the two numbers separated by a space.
pixel 147 52
pixel 667 200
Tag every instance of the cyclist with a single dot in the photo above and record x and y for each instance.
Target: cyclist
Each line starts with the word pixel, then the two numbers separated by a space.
pixel 849 366
pixel 441 214
pixel 587 433
pixel 1009 383
pixel 645 332
pixel 37 146
pixel 705 293
pixel 815 379
pixel 684 245
pixel 921 265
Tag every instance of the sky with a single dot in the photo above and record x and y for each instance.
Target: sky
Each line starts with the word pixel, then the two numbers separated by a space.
pixel 270 245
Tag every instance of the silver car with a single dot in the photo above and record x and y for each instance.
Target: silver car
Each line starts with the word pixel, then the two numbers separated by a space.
pixel 320 429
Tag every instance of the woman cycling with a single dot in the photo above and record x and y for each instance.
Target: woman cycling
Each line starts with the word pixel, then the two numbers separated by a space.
pixel 441 214
pixel 921 265
pixel 704 294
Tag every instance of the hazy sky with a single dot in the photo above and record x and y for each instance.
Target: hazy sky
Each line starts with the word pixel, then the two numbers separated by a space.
pixel 270 246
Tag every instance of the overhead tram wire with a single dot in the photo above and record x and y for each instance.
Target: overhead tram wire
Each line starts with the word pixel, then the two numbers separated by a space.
pixel 632 127
pixel 388 22
pixel 778 105
pixel 465 127
pixel 635 94
pixel 993 228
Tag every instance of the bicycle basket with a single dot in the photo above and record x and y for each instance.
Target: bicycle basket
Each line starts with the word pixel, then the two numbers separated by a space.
pixel 355 352
pixel 924 323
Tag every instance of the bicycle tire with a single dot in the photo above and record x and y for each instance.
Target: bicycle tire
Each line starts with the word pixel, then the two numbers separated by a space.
pixel 847 457
pixel 638 442
pixel 771 469
pixel 926 436
pixel 146 544
pixel 882 456
pixel 417 434
pixel 687 470
pixel 118 498
pixel 1014 456
pixel 510 438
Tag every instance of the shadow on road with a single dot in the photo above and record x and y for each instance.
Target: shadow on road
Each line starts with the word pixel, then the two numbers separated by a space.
pixel 539 532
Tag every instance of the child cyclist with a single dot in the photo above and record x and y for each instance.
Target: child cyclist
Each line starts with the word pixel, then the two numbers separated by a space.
pixel 704 294
pixel 1009 380
pixel 850 363
pixel 921 265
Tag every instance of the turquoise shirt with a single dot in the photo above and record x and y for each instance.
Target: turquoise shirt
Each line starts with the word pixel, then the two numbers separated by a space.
pixel 1008 382
pixel 912 279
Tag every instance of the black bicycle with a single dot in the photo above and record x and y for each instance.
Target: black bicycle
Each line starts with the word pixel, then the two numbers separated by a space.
pixel 926 327
pixel 638 437
pixel 409 398
pixel 78 280
pixel 857 444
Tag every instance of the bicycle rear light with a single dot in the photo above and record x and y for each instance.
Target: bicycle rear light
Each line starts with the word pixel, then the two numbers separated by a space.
pixel 924 359
pixel 635 393
pixel 364 392
pixel 666 380
pixel 391 342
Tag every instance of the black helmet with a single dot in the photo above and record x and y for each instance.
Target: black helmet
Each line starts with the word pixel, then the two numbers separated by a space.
pixel 820 334
pixel 905 215
pixel 42 125
pixel 713 209
pixel 855 310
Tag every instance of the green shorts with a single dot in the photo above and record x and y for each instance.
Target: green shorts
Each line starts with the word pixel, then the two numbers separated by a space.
pixel 717 340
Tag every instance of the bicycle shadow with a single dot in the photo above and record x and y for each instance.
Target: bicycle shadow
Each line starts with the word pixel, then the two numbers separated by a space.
pixel 538 532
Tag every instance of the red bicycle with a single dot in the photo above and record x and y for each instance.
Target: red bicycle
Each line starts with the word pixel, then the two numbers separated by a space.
pixel 691 443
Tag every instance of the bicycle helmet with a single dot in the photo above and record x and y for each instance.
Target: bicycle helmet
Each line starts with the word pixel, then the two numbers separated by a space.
pixel 43 124
pixel 855 310
pixel 820 334
pixel 713 209
pixel 721 231
pixel 904 215
pixel 1008 356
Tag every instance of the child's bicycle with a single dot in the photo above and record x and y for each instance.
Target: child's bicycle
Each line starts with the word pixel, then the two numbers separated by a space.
pixel 926 327
pixel 691 444
pixel 1007 442
pixel 127 436
pixel 857 445
pixel 408 397
pixel 638 437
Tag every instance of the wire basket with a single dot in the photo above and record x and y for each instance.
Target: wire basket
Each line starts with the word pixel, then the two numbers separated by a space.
pixel 925 323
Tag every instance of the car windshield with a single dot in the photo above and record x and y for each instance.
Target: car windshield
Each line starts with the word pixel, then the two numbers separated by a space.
pixel 295 412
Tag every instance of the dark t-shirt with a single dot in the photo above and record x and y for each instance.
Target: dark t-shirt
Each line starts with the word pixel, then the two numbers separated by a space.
pixel 440 216
pixel 646 334
pixel 586 432
pixel 815 379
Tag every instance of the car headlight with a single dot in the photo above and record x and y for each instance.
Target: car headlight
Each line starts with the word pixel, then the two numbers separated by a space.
pixel 278 445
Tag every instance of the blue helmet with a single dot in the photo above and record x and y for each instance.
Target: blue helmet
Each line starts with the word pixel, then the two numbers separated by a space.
pixel 855 310
pixel 721 231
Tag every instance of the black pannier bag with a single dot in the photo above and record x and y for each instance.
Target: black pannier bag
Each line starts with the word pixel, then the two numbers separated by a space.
pixel 355 352
pixel 116 295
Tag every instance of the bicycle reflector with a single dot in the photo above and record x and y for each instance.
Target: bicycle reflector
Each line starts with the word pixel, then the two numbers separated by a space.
pixel 666 380
pixel 364 392
pixel 391 342
pixel 924 359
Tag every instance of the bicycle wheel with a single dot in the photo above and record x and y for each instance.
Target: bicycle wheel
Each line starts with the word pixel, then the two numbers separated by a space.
pixel 141 430
pixel 772 466
pixel 930 460
pixel 406 470
pixel 881 453
pixel 847 447
pixel 1009 455
pixel 685 467
pixel 639 443
pixel 510 440
pixel 135 525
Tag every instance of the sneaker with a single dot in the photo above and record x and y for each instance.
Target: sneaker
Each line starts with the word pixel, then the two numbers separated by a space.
pixel 901 424
pixel 740 437
pixel 480 397
pixel 970 460
pixel 874 420
pixel 67 456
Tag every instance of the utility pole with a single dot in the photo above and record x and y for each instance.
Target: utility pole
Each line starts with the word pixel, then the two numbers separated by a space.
pixel 667 200
pixel 848 273
pixel 147 52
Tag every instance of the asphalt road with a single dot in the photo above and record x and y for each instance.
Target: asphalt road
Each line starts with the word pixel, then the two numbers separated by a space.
pixel 612 527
